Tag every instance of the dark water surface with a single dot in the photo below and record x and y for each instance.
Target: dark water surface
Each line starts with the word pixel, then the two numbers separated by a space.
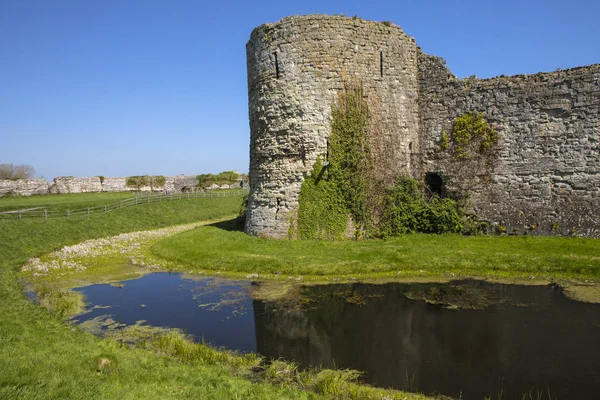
pixel 517 339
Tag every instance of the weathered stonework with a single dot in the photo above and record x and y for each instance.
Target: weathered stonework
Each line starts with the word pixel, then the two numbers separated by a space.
pixel 546 178
pixel 72 184
pixel 295 69
pixel 23 187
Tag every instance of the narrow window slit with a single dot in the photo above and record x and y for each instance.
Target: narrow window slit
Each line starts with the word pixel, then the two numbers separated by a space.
pixel 381 63
pixel 276 66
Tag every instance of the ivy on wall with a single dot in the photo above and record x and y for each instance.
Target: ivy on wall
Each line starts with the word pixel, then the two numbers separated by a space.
pixel 336 191
pixel 469 153
pixel 339 189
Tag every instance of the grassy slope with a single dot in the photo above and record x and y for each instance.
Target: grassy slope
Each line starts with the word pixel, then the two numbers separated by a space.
pixel 525 257
pixel 42 357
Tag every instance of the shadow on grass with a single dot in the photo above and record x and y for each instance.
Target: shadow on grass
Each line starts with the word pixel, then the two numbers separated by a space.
pixel 231 225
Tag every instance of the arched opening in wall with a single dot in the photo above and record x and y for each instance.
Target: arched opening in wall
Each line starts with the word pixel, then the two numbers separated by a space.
pixel 185 189
pixel 434 184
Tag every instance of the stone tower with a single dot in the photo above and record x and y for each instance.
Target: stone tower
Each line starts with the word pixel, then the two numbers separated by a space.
pixel 546 176
pixel 295 69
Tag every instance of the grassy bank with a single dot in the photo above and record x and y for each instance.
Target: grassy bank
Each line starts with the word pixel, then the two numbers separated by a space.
pixel 448 256
pixel 43 357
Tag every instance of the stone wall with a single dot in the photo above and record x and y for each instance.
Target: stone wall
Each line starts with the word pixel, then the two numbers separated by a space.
pixel 546 178
pixel 71 184
pixel 296 67
pixel 24 187
pixel 547 175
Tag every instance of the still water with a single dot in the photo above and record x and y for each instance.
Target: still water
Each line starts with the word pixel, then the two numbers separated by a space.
pixel 502 338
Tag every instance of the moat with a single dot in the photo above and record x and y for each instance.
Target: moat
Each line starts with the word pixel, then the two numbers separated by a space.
pixel 466 339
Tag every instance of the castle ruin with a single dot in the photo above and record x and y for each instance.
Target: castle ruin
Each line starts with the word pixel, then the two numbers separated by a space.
pixel 546 179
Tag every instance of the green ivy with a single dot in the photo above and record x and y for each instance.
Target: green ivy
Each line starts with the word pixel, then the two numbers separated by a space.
pixel 349 152
pixel 322 213
pixel 334 193
pixel 471 136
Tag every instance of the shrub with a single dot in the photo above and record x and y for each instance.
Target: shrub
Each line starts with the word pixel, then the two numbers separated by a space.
pixel 407 210
pixel 241 219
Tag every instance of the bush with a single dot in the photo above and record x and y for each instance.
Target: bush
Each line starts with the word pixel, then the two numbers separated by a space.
pixel 241 219
pixel 407 210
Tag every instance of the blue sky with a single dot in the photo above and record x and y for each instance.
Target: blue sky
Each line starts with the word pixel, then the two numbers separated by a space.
pixel 120 88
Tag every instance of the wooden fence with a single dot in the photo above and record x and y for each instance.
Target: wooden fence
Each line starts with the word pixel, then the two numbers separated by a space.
pixel 45 213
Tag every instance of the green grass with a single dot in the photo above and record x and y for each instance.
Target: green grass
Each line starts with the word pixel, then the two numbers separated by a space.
pixel 42 357
pixel 63 201
pixel 220 248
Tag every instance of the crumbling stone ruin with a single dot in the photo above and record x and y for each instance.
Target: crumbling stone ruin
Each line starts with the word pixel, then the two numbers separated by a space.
pixel 545 180
pixel 72 184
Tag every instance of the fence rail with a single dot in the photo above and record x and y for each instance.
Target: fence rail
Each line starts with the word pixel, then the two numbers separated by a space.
pixel 45 213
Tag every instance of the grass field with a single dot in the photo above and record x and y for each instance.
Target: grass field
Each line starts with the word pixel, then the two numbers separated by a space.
pixel 450 256
pixel 42 357
pixel 63 201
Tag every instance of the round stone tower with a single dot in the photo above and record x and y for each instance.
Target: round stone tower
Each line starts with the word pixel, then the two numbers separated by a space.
pixel 296 67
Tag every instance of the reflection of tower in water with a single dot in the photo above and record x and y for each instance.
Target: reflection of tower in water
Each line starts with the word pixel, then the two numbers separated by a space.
pixel 412 345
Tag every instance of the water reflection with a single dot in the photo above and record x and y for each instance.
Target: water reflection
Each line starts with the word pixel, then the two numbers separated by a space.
pixel 523 338
pixel 534 339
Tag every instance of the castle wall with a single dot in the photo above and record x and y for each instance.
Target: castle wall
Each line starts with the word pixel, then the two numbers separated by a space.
pixel 546 179
pixel 72 184
pixel 296 67
pixel 23 187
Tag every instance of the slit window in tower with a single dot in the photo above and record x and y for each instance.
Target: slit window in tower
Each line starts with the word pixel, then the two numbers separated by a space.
pixel 276 66
pixel 381 63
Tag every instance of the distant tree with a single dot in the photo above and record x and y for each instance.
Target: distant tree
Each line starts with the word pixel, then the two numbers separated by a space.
pixel 13 172
pixel 225 177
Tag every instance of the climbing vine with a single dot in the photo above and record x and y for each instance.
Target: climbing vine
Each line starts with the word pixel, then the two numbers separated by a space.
pixel 469 148
pixel 336 190
pixel 323 213
pixel 471 137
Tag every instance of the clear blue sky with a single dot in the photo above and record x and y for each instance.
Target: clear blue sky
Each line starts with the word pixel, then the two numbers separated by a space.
pixel 120 88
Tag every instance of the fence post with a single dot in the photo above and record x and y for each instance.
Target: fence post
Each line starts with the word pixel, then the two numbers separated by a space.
pixel 120 203
pixel 136 200
pixel 68 213
pixel 104 209
pixel 45 215
pixel 88 211
pixel 148 198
